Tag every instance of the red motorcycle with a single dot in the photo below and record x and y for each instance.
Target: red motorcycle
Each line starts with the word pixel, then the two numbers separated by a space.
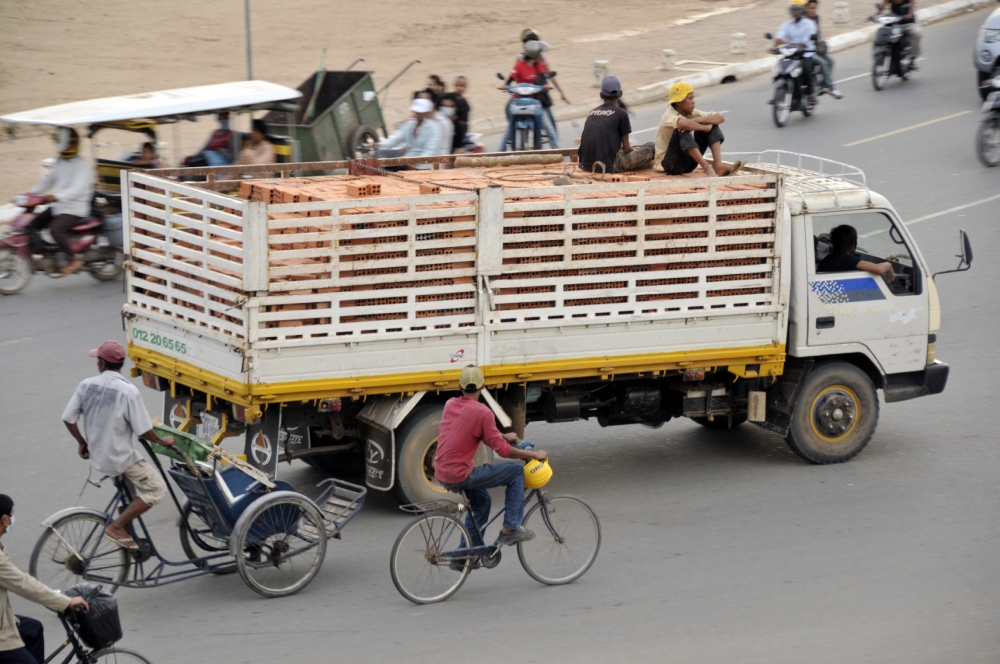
pixel 21 255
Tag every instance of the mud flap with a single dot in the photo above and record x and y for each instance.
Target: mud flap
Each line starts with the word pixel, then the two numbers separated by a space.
pixel 262 437
pixel 380 458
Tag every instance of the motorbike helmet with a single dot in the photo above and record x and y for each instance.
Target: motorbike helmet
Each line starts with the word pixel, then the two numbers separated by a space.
pixel 537 474
pixel 533 49
pixel 67 142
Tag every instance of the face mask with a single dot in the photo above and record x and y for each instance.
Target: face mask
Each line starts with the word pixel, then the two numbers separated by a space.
pixel 448 111
pixel 224 124
pixel 11 526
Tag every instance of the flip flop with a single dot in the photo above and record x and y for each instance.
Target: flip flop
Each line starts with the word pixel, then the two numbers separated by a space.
pixel 125 542
pixel 737 165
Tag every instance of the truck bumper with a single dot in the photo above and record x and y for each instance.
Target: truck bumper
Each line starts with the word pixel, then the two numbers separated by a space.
pixel 913 384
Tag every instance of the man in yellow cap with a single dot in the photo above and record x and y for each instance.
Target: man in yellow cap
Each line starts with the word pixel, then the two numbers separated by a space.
pixel 685 133
pixel 464 424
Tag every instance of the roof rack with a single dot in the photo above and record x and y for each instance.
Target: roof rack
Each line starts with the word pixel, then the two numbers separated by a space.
pixel 809 174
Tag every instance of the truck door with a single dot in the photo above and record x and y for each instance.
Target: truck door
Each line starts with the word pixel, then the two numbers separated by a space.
pixel 857 307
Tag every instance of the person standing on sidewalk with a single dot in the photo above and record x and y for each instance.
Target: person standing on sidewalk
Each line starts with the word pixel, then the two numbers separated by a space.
pixel 113 415
pixel 464 424
pixel 605 138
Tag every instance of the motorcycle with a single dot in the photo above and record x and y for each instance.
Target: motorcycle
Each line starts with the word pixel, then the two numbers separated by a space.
pixel 988 136
pixel 794 76
pixel 24 252
pixel 522 111
pixel 891 51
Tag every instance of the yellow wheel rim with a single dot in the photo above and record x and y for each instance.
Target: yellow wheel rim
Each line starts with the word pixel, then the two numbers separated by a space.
pixel 835 414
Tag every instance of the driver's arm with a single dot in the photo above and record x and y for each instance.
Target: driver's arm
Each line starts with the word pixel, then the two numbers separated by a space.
pixel 875 268
pixel 45 183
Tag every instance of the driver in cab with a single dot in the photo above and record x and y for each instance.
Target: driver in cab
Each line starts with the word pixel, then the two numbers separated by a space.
pixel 844 239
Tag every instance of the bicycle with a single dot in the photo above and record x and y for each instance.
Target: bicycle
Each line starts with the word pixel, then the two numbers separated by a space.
pixel 84 655
pixel 430 560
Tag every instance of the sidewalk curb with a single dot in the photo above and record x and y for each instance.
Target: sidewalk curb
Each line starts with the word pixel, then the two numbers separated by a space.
pixel 658 91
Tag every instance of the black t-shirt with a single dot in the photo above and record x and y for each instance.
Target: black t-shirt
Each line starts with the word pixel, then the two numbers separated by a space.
pixel 603 132
pixel 839 263
pixel 901 8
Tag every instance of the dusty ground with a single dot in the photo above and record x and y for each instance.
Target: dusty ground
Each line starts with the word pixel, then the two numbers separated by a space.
pixel 55 51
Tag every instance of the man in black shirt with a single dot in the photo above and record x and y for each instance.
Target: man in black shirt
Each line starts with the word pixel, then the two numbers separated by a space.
pixel 604 144
pixel 907 9
pixel 842 259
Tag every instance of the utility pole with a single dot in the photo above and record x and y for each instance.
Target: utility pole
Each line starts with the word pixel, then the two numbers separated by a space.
pixel 246 14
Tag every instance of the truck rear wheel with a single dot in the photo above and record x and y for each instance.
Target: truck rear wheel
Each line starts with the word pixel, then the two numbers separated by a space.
pixel 416 443
pixel 835 415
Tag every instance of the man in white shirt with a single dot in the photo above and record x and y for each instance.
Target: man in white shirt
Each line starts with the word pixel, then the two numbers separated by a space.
pixel 71 183
pixel 114 414
pixel 803 31
pixel 420 135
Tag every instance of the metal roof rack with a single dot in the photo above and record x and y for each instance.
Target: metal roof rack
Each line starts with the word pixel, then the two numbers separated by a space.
pixel 809 174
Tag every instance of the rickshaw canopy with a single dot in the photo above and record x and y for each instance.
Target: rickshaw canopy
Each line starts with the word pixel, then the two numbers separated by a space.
pixel 161 106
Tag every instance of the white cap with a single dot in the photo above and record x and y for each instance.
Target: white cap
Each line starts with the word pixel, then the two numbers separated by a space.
pixel 422 106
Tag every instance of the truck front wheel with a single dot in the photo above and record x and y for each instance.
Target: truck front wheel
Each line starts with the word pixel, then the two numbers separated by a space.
pixel 416 444
pixel 835 415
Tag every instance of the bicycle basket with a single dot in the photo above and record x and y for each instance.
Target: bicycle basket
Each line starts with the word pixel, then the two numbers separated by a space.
pixel 99 627
pixel 191 444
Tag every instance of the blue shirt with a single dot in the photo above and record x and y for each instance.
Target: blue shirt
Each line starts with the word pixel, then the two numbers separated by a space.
pixel 800 32
pixel 422 141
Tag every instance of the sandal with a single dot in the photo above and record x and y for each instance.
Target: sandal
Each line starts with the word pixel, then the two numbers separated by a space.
pixel 735 168
pixel 125 542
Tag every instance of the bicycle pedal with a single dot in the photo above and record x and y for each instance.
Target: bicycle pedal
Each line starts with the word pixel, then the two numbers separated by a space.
pixel 490 560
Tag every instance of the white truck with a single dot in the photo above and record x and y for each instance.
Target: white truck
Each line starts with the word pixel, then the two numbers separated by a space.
pixel 334 330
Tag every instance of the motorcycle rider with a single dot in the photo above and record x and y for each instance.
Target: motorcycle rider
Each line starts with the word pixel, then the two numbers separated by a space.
pixel 527 70
pixel 548 120
pixel 800 31
pixel 907 9
pixel 822 56
pixel 71 183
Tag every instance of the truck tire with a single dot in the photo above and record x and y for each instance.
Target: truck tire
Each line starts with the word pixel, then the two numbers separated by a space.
pixel 416 441
pixel 721 423
pixel 835 415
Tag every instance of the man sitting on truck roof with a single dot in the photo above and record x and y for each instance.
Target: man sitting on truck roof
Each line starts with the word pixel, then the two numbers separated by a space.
pixel 605 138
pixel 685 133
pixel 844 239
pixel 464 424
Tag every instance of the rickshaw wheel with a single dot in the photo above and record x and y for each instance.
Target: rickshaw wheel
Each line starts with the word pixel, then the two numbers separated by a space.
pixel 281 543
pixel 203 539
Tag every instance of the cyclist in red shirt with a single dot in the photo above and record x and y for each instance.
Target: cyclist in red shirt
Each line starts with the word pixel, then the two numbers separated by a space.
pixel 464 424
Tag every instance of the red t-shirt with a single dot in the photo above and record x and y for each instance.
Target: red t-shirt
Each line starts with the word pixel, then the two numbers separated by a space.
pixel 522 72
pixel 463 425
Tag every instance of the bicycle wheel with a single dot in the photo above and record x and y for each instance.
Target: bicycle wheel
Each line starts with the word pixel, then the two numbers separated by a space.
pixel 114 655
pixel 283 541
pixel 204 539
pixel 556 560
pixel 67 549
pixel 420 570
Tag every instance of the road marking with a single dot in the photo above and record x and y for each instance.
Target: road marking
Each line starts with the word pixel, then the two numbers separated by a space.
pixel 14 341
pixel 900 131
pixel 958 208
pixel 867 73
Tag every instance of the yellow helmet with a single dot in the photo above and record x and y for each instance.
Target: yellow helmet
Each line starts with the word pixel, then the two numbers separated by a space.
pixel 797 3
pixel 537 474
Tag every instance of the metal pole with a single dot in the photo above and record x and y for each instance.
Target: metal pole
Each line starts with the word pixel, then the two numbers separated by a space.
pixel 246 14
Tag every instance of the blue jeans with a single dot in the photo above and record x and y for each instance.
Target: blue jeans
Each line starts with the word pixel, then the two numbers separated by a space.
pixel 508 136
pixel 549 127
pixel 826 70
pixel 475 486
pixel 213 158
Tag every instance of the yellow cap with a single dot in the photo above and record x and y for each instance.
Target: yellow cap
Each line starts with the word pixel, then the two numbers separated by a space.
pixel 537 474
pixel 471 376
pixel 679 92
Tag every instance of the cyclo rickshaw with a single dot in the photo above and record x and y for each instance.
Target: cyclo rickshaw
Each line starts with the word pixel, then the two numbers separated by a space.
pixel 235 519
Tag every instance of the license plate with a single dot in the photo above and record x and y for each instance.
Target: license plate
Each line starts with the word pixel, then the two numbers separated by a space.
pixel 209 427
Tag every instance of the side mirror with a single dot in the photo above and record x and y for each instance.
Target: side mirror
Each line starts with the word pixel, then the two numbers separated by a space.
pixel 966 248
pixel 767 35
pixel 964 257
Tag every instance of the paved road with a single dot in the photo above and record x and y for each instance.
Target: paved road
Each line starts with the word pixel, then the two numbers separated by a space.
pixel 717 548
